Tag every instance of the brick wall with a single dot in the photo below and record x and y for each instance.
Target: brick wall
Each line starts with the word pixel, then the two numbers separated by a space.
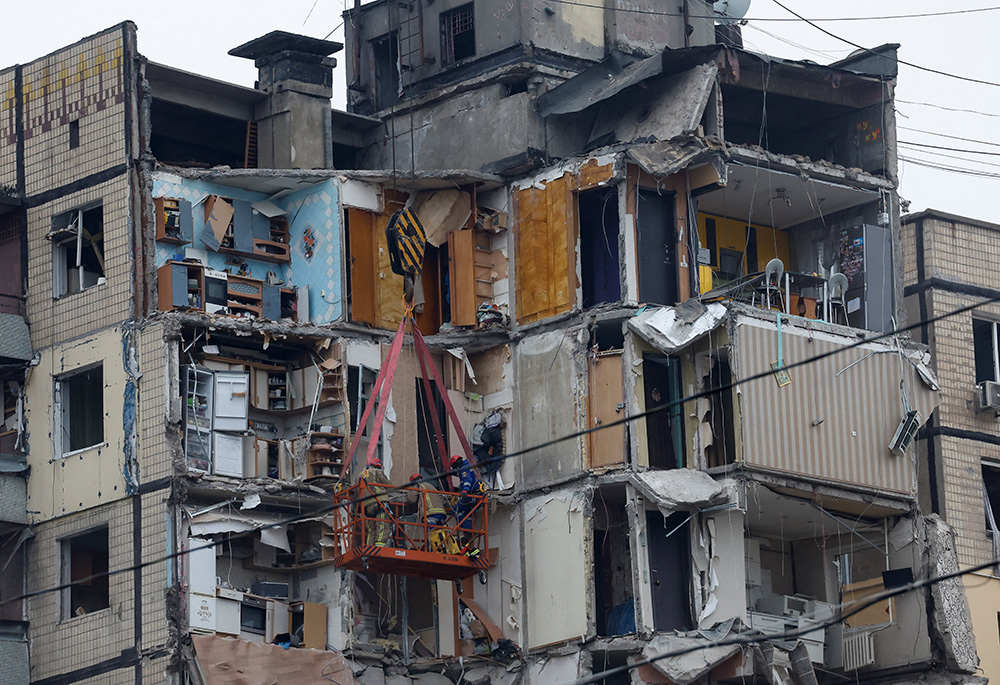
pixel 99 306
pixel 964 254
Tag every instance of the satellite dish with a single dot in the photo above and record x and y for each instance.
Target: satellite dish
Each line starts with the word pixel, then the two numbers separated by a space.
pixel 730 11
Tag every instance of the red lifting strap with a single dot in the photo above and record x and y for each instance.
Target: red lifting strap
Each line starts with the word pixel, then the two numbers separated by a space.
pixel 382 389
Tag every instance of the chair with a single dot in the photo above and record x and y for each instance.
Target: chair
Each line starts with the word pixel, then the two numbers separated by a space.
pixel 774 272
pixel 837 288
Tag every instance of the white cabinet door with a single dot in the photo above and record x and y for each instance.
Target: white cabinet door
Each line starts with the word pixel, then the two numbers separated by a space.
pixel 232 391
pixel 228 451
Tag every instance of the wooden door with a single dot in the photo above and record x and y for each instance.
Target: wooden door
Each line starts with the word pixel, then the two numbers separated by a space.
pixel 462 273
pixel 606 404
pixel 360 226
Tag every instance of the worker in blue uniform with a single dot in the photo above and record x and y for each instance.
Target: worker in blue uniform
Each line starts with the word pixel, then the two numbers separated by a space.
pixel 469 485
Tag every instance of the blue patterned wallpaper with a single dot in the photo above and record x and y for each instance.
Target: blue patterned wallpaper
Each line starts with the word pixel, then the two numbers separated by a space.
pixel 315 209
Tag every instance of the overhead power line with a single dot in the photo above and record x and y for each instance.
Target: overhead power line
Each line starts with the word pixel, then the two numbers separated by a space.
pixel 862 47
pixel 945 135
pixel 919 15
pixel 950 149
pixel 947 109
pixel 519 453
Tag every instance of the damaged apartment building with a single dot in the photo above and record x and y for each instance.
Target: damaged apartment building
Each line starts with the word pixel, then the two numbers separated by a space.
pixel 620 211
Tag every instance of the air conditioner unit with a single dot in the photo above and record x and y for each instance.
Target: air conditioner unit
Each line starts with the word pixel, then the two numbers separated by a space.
pixel 905 433
pixel 988 393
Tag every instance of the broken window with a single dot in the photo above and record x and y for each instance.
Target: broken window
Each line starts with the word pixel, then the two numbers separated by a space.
pixel 77 250
pixel 991 491
pixel 458 34
pixel 664 429
pixel 84 557
pixel 613 595
pixel 598 211
pixel 985 338
pixel 10 429
pixel 385 55
pixel 79 409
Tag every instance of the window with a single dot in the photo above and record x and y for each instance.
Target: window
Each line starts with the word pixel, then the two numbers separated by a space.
pixel 458 34
pixel 74 134
pixel 991 493
pixel 385 53
pixel 79 410
pixel 984 339
pixel 77 250
pixel 84 557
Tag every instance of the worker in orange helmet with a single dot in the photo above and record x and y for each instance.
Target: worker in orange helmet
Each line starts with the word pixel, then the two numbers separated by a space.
pixel 376 509
pixel 469 485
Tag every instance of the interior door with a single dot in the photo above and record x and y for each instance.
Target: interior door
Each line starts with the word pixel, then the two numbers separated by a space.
pixel 362 265
pixel 661 381
pixel 670 570
pixel 606 403
pixel 657 247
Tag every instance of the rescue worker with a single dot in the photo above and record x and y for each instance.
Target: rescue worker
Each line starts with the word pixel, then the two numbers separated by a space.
pixel 469 485
pixel 377 524
pixel 430 506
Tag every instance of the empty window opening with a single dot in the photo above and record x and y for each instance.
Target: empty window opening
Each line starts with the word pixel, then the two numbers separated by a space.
pixel 670 570
pixel 84 557
pixel 10 429
pixel 608 335
pixel 991 493
pixel 599 247
pixel 77 250
pixel 74 134
pixel 722 451
pixel 985 338
pixel 427 445
pixel 79 409
pixel 12 261
pixel 664 429
pixel 458 34
pixel 385 54
pixel 613 566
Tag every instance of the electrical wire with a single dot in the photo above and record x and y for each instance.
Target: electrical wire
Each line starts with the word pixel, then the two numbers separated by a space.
pixel 779 19
pixel 947 109
pixel 944 167
pixel 899 61
pixel 945 135
pixel 950 149
pixel 439 478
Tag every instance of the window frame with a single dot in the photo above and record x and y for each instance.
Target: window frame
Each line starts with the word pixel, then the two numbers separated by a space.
pixel 66 236
pixel 66 609
pixel 448 20
pixel 60 406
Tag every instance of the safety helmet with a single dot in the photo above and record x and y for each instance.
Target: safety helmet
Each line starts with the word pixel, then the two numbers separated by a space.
pixel 375 463
pixel 415 476
pixel 456 461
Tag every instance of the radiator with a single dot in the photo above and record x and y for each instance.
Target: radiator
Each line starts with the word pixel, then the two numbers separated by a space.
pixel 859 649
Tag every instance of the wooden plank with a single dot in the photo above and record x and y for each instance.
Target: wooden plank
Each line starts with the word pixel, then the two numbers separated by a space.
pixel 531 254
pixel 606 447
pixel 461 255
pixel 561 245
pixel 593 174
pixel 360 224
pixel 314 625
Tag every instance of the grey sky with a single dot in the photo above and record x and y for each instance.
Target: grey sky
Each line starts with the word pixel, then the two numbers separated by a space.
pixel 195 36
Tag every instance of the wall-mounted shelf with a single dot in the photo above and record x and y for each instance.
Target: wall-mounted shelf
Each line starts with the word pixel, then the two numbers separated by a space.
pixel 173 220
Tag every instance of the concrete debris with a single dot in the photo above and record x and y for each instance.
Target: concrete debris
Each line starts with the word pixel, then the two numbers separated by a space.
pixel 689 667
pixel 950 617
pixel 373 675
pixel 678 489
pixel 671 328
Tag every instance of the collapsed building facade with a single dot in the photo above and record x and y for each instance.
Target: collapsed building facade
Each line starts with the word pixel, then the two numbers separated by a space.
pixel 604 197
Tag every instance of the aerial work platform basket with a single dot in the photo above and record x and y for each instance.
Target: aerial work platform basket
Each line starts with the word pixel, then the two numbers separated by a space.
pixel 379 532
pixel 380 527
